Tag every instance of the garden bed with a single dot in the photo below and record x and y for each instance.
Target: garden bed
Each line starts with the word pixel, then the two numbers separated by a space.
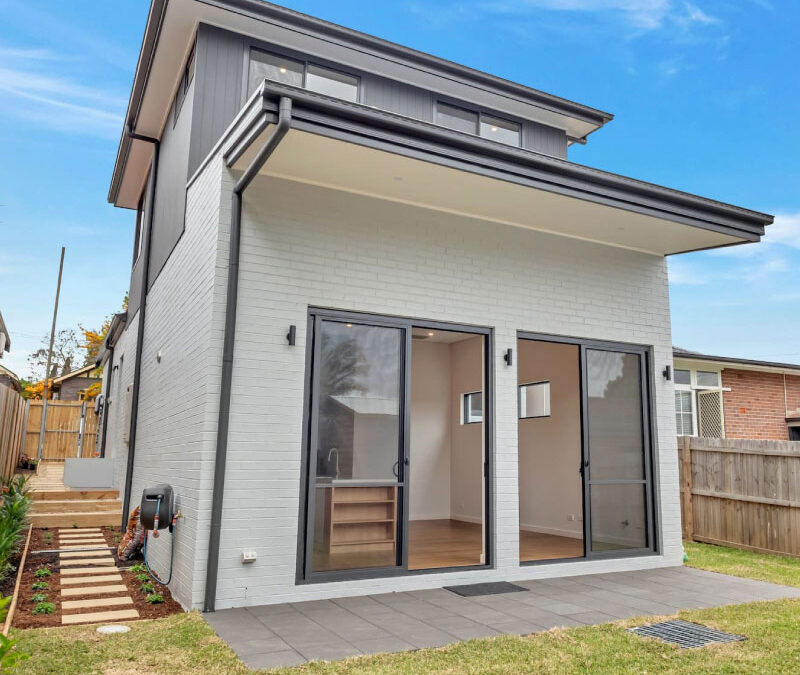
pixel 47 539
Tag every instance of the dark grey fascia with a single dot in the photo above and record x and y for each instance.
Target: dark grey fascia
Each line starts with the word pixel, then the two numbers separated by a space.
pixel 694 356
pixel 387 131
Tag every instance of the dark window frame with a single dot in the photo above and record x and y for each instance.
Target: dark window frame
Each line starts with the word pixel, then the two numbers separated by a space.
pixel 465 416
pixel 302 577
pixel 480 114
pixel 138 234
pixel 649 438
pixel 306 62
pixel 185 83
pixel 519 400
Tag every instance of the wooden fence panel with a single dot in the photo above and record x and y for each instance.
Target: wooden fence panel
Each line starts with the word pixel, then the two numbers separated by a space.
pixel 741 493
pixel 63 428
pixel 12 416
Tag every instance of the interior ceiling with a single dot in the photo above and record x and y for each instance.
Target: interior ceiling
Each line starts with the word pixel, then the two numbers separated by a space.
pixel 318 160
pixel 436 335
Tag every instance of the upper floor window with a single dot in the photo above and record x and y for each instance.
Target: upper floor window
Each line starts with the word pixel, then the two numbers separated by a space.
pixel 480 124
pixel 183 87
pixel 139 234
pixel 265 65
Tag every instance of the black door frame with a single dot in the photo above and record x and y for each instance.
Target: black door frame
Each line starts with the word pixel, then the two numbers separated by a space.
pixel 304 571
pixel 649 437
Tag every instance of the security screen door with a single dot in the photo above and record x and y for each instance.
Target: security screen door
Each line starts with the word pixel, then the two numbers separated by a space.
pixel 618 489
pixel 357 446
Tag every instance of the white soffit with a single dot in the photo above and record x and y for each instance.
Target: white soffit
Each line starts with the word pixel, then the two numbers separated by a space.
pixel 317 160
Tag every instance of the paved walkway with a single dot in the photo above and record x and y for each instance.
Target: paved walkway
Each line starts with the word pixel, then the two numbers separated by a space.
pixel 285 635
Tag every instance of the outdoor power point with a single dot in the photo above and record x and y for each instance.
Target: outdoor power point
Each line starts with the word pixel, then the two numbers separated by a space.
pixel 249 557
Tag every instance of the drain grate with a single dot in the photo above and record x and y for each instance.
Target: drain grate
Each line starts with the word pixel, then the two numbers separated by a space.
pixel 496 588
pixel 685 634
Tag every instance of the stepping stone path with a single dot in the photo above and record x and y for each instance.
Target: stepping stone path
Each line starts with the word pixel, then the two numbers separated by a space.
pixel 87 568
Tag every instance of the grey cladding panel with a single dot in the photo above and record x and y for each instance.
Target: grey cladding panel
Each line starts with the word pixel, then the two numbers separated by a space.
pixel 397 97
pixel 545 139
pixel 136 272
pixel 218 88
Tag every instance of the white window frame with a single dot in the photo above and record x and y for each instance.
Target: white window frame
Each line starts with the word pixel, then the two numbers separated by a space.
pixel 695 388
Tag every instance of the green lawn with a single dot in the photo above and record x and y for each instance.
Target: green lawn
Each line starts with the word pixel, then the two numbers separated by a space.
pixel 185 644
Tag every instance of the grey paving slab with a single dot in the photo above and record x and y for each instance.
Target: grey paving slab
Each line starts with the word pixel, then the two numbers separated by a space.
pixel 290 634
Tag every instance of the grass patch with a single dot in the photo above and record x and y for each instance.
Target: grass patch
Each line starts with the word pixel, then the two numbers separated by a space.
pixel 762 566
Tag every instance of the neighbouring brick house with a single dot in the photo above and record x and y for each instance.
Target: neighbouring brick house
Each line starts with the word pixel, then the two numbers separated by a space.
pixel 722 397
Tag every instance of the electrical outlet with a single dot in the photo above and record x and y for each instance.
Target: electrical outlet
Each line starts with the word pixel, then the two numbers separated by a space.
pixel 249 557
pixel 571 517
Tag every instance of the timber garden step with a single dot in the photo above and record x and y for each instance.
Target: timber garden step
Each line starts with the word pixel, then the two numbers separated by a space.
pixel 72 505
pixel 62 494
pixel 79 518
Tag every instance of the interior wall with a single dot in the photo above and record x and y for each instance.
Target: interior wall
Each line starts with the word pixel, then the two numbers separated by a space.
pixel 430 431
pixel 466 477
pixel 550 487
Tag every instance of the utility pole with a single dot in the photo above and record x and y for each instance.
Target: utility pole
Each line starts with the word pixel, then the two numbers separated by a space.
pixel 42 428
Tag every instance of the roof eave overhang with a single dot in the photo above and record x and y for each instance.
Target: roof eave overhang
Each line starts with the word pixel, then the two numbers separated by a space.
pixel 395 133
pixel 266 12
pixel 738 364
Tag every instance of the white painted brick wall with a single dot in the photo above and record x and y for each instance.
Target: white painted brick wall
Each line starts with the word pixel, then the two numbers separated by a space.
pixel 309 246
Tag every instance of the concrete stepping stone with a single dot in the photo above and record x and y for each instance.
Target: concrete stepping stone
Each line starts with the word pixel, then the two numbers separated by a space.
pixel 82 542
pixel 91 579
pixel 74 530
pixel 93 603
pixel 100 617
pixel 100 560
pixel 93 590
pixel 84 537
pixel 69 571
pixel 96 553
pixel 76 547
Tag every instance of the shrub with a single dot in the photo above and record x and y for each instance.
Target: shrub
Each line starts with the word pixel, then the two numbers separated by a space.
pixel 155 598
pixel 143 577
pixel 39 597
pixel 40 586
pixel 42 572
pixel 44 608
pixel 14 507
pixel 147 588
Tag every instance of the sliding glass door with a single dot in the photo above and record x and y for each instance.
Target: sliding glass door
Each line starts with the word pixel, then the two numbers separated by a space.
pixel 357 446
pixel 618 489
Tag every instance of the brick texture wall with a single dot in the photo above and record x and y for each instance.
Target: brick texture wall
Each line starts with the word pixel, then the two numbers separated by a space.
pixel 755 407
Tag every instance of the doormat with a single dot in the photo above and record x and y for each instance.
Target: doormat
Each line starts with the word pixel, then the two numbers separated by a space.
pixel 685 634
pixel 495 588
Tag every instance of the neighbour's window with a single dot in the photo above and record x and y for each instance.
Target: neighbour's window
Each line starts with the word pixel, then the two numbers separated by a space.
pixel 479 124
pixel 683 413
pixel 534 400
pixel 331 83
pixel 473 407
pixel 707 379
pixel 794 433
pixel 499 130
pixel 683 377
pixel 266 66
pixel 457 118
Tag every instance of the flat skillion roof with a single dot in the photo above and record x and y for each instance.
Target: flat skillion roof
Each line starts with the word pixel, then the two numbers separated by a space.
pixel 749 364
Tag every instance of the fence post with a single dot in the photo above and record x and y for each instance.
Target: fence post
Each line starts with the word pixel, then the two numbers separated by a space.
pixel 81 429
pixel 25 426
pixel 688 511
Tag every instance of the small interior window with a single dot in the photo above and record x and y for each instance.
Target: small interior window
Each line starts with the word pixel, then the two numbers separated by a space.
pixel 683 377
pixel 266 66
pixel 332 83
pixel 534 400
pixel 456 118
pixel 473 407
pixel 707 379
pixel 502 131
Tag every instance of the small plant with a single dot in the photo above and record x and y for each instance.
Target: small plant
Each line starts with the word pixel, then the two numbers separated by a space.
pixel 155 598
pixel 138 568
pixel 40 586
pixel 47 537
pixel 147 588
pixel 42 572
pixel 142 577
pixel 9 657
pixel 39 597
pixel 44 608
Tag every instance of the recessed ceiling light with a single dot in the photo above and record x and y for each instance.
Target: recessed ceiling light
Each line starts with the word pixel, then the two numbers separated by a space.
pixel 431 334
pixel 283 70
pixel 349 325
pixel 494 128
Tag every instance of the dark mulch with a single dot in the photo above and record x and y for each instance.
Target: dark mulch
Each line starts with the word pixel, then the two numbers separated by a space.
pixel 44 539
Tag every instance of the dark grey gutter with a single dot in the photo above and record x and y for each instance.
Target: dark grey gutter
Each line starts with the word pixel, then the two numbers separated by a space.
pixel 217 495
pixel 414 138
pixel 144 260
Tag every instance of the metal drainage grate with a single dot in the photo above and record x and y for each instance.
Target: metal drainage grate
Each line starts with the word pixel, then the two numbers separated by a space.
pixel 495 588
pixel 685 634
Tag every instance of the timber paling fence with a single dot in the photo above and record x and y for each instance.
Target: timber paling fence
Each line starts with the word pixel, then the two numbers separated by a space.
pixel 741 493
pixel 12 429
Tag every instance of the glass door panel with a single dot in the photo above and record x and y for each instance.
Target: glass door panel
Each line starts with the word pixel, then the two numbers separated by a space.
pixel 357 445
pixel 617 450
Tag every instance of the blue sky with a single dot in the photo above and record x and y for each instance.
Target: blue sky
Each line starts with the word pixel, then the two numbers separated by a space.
pixel 704 94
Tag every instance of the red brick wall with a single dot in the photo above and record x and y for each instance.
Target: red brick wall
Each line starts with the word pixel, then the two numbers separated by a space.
pixel 755 407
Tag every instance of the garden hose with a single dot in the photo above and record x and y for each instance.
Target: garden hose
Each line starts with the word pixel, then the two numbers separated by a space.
pixel 152 574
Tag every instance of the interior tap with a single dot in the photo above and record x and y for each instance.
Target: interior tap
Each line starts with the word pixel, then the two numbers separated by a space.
pixel 330 452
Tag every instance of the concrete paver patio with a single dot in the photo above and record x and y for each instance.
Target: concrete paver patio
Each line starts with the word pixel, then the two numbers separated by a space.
pixel 271 636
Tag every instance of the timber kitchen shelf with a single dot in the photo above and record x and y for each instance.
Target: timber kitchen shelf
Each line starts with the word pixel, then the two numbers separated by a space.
pixel 361 518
